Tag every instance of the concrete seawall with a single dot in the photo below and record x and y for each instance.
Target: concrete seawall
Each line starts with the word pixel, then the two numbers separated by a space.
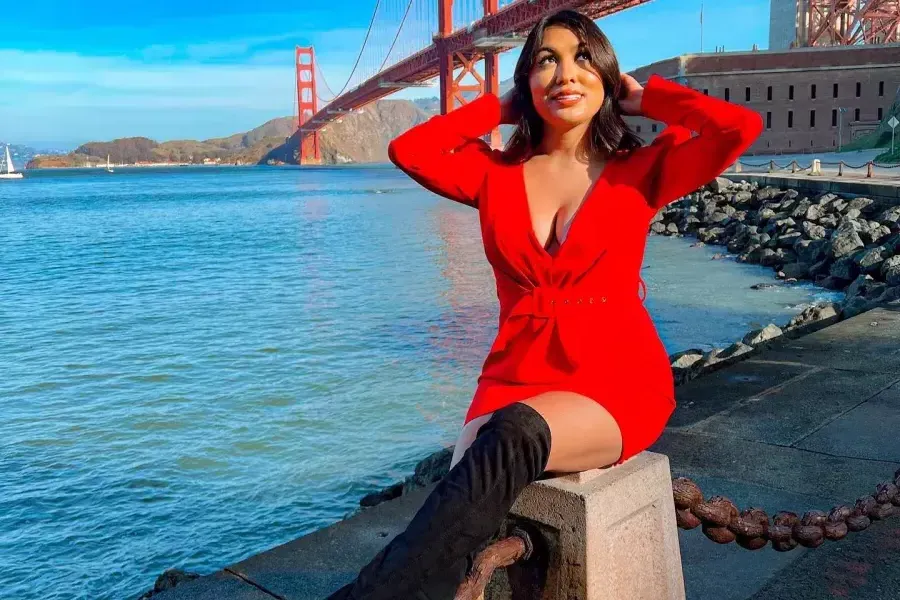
pixel 886 193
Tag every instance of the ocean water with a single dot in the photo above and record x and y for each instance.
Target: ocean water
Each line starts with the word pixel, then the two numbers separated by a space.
pixel 201 363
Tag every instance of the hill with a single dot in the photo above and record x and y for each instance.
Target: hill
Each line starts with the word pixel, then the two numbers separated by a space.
pixel 881 137
pixel 362 136
pixel 359 137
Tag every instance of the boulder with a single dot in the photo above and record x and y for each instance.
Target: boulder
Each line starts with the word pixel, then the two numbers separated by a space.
pixel 844 241
pixel 169 579
pixel 890 270
pixel 758 336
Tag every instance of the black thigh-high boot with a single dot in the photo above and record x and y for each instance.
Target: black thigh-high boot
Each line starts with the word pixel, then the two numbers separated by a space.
pixel 465 509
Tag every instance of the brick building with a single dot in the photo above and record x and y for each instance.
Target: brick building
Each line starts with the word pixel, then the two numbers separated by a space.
pixel 798 92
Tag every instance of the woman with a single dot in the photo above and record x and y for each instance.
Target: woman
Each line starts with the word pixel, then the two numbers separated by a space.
pixel 577 378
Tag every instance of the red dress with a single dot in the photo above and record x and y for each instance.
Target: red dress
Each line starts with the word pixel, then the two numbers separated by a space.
pixel 574 320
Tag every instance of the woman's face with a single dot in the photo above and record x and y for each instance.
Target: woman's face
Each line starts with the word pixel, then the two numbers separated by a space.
pixel 565 88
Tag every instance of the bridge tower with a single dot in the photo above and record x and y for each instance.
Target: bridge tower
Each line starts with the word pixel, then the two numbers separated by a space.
pixel 833 23
pixel 305 61
pixel 451 88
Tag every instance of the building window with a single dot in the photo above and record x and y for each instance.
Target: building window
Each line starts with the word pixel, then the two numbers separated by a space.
pixel 812 92
pixel 880 113
pixel 727 93
pixel 834 117
pixel 653 127
pixel 789 143
pixel 768 120
pixel 705 92
pixel 790 118
pixel 856 115
pixel 812 118
pixel 858 89
pixel 769 94
pixel 638 128
pixel 747 94
pixel 834 92
pixel 881 88
pixel 791 93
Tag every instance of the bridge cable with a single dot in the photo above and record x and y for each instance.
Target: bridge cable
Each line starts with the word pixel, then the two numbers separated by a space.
pixel 399 29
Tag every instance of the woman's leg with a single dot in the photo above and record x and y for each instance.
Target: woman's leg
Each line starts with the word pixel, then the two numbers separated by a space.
pixel 467 436
pixel 488 472
pixel 585 435
pixel 465 509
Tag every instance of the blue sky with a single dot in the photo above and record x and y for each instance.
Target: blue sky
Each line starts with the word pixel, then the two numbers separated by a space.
pixel 71 72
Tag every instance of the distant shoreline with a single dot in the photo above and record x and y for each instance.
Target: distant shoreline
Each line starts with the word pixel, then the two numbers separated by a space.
pixel 102 167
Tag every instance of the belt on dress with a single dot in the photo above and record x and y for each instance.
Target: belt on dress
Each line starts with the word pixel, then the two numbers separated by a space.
pixel 551 303
pixel 546 302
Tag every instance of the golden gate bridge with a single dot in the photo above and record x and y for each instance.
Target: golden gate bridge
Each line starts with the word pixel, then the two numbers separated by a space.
pixel 410 42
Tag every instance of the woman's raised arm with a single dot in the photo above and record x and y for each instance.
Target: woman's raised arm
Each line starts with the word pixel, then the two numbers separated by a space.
pixel 445 153
pixel 685 163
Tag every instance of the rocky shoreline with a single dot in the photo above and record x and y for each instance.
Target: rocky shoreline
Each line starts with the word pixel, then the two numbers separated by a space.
pixel 847 244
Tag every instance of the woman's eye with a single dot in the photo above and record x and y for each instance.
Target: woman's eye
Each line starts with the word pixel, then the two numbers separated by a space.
pixel 543 60
pixel 584 55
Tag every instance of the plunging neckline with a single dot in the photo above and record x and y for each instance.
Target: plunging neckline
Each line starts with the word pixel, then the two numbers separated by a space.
pixel 592 191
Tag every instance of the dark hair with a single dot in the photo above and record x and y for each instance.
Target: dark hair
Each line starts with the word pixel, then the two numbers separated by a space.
pixel 608 132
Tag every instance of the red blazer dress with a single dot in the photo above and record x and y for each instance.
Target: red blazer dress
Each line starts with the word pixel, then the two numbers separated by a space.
pixel 575 320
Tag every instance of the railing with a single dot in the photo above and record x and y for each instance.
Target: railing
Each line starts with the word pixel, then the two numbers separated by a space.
pixel 815 167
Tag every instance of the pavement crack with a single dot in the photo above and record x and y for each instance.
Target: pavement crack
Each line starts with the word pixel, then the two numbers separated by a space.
pixel 247 580
pixel 841 414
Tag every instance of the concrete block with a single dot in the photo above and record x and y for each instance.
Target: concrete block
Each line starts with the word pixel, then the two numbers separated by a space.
pixel 614 531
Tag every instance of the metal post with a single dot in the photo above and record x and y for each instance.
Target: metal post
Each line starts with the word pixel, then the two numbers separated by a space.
pixel 841 111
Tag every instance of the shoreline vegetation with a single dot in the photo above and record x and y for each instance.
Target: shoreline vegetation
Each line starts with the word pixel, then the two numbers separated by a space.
pixel 839 243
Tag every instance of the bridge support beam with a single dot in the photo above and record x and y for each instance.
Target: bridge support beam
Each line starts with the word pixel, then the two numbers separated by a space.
pixel 308 151
pixel 451 88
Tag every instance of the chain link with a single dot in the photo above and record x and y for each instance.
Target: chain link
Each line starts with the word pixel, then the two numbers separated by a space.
pixel 751 528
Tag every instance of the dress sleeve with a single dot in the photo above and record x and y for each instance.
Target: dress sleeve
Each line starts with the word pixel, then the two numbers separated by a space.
pixel 685 163
pixel 445 153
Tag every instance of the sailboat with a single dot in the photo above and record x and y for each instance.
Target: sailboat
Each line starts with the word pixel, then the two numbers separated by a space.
pixel 10 169
pixel 108 167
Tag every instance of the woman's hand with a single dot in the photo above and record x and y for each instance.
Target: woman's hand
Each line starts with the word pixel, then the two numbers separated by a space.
pixel 630 95
pixel 509 115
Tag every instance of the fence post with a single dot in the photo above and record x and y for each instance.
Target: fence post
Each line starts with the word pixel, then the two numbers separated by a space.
pixel 771 166
pixel 840 168
pixel 793 166
pixel 816 167
pixel 737 166
pixel 870 170
pixel 615 531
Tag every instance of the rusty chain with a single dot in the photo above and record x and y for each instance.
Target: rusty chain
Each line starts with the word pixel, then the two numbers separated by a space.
pixel 751 529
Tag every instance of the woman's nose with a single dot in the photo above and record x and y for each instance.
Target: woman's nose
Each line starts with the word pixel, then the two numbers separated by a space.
pixel 565 71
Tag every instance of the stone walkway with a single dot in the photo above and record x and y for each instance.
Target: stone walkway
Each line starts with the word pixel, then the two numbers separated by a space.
pixel 808 423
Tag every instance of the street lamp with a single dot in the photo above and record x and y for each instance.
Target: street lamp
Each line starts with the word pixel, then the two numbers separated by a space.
pixel 840 126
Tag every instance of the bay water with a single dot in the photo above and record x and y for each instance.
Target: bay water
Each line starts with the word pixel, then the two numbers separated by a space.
pixel 197 364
